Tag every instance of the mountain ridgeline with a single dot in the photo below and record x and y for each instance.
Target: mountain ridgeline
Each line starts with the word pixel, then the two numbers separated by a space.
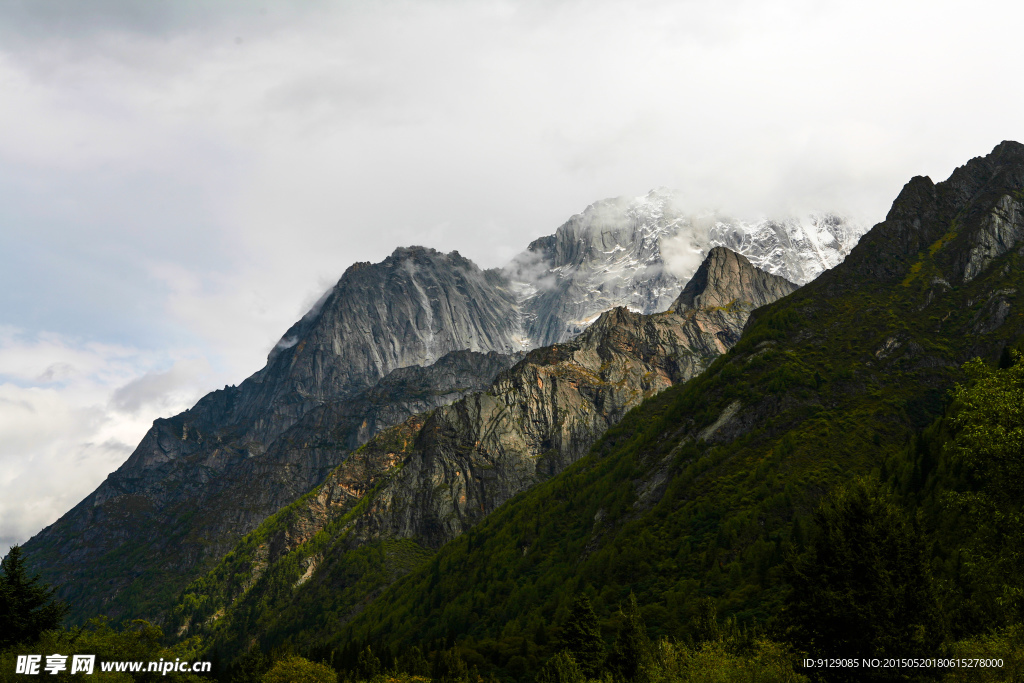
pixel 421 484
pixel 389 341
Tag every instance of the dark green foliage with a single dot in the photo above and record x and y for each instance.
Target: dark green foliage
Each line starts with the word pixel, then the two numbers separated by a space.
pixel 413 662
pixel 136 642
pixel 988 430
pixel 986 443
pixel 368 665
pixel 561 668
pixel 250 667
pixel 863 588
pixel 27 606
pixel 631 657
pixel 449 667
pixel 704 625
pixel 581 637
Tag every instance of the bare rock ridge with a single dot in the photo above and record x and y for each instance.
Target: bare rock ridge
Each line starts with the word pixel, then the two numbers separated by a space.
pixel 726 278
pixel 543 414
pixel 968 220
pixel 437 475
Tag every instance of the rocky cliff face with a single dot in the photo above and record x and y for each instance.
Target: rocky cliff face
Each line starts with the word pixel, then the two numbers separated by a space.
pixel 436 476
pixel 545 413
pixel 725 279
pixel 639 252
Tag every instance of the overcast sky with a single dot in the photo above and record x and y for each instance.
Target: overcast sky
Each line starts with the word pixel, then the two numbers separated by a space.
pixel 180 180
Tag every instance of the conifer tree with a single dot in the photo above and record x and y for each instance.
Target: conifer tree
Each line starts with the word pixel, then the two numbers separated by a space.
pixel 414 663
pixel 581 636
pixel 631 656
pixel 27 606
pixel 704 625
pixel 449 667
pixel 368 665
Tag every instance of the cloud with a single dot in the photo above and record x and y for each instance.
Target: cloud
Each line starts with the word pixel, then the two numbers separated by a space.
pixel 70 413
pixel 161 390
pixel 681 256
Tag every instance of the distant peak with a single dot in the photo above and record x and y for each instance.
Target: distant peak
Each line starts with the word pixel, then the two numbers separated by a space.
pixel 726 277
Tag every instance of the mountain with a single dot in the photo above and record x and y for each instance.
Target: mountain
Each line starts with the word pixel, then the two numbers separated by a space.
pixel 201 480
pixel 702 490
pixel 197 483
pixel 639 252
pixel 421 484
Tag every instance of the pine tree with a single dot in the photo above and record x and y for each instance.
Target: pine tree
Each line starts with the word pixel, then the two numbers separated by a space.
pixel 27 606
pixel 368 665
pixel 631 656
pixel 449 667
pixel 704 625
pixel 414 663
pixel 581 636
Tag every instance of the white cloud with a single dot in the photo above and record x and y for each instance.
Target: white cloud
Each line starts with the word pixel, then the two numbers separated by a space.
pixel 72 412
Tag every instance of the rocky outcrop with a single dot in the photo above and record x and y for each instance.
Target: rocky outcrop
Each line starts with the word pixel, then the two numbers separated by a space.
pixel 947 232
pixel 546 412
pixel 435 477
pixel 725 279
pixel 1002 229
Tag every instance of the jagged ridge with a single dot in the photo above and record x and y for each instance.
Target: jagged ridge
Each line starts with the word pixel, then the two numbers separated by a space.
pixel 463 461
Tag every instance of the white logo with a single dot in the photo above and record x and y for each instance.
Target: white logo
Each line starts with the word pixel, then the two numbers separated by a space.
pixel 28 664
pixel 82 663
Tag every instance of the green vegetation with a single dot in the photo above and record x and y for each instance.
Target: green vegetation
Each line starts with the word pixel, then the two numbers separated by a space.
pixel 27 607
pixel 864 584
pixel 295 669
pixel 829 387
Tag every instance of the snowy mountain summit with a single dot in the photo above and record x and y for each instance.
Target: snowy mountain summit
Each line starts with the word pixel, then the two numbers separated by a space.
pixel 640 252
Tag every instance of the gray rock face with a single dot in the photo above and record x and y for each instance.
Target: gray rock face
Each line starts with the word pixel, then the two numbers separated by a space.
pixel 965 222
pixel 1002 229
pixel 440 474
pixel 726 278
pixel 546 412
pixel 411 309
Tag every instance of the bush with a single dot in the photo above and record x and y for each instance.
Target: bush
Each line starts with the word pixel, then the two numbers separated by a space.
pixel 299 670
